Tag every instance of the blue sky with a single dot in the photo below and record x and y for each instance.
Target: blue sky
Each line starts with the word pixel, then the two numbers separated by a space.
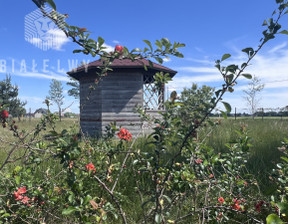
pixel 208 28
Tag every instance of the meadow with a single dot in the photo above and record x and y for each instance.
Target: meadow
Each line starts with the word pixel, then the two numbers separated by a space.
pixel 27 126
pixel 265 138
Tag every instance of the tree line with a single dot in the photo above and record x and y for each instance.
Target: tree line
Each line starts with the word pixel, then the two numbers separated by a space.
pixel 9 96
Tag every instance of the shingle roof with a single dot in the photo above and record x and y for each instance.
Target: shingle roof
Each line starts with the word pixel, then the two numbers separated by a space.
pixel 125 63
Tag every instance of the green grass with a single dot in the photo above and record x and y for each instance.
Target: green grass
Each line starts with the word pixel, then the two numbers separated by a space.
pixel 7 139
pixel 266 136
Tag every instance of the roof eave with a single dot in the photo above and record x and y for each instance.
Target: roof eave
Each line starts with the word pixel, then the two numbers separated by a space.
pixel 74 73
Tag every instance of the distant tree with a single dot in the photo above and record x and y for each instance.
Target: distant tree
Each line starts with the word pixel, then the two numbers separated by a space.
pixel 9 97
pixel 75 90
pixel 195 103
pixel 56 94
pixel 251 97
pixel 70 115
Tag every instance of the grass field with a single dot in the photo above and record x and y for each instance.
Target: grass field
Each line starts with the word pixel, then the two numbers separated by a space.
pixel 266 136
pixel 7 139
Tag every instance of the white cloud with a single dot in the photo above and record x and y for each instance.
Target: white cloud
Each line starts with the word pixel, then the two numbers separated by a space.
pixel 280 84
pixel 116 42
pixel 56 38
pixel 270 66
pixel 199 49
pixel 167 59
pixel 192 69
pixel 109 48
pixel 201 61
pixel 277 48
pixel 32 99
pixel 67 110
pixel 35 41
pixel 59 39
pixel 180 82
pixel 50 75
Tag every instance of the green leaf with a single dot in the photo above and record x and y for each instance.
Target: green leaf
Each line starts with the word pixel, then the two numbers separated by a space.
pixel 68 211
pixel 158 44
pixel 87 199
pixel 17 179
pixel 218 66
pixel 181 45
pixel 225 56
pixel 284 32
pixel 159 60
pixel 243 65
pixel 136 50
pixel 52 4
pixel 179 55
pixel 283 207
pixel 285 159
pixel 247 76
pixel 167 198
pixel 249 51
pixel 100 41
pixel 231 68
pixel 145 49
pixel 265 23
pixel 17 169
pixel 227 106
pixel 165 41
pixel 158 218
pixel 229 78
pixel 224 114
pixel 77 51
pixel 5 215
pixel 273 219
pixel 149 44
pixel 218 92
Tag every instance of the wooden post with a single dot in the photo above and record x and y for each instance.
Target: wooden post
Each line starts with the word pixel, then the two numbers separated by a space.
pixel 235 114
pixel 262 113
pixel 30 114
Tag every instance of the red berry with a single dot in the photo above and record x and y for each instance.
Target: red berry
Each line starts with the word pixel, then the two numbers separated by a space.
pixel 4 114
pixel 119 48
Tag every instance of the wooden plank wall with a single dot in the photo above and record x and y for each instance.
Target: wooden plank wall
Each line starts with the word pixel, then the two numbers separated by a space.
pixel 113 99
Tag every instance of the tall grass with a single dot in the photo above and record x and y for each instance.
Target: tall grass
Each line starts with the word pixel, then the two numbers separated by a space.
pixel 7 140
pixel 266 137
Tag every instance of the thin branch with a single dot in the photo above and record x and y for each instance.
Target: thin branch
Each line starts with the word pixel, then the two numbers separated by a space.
pixel 216 207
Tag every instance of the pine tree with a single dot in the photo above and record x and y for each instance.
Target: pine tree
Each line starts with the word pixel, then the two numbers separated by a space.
pixel 9 98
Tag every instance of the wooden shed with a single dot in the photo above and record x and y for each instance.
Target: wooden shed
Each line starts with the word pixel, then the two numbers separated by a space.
pixel 115 97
